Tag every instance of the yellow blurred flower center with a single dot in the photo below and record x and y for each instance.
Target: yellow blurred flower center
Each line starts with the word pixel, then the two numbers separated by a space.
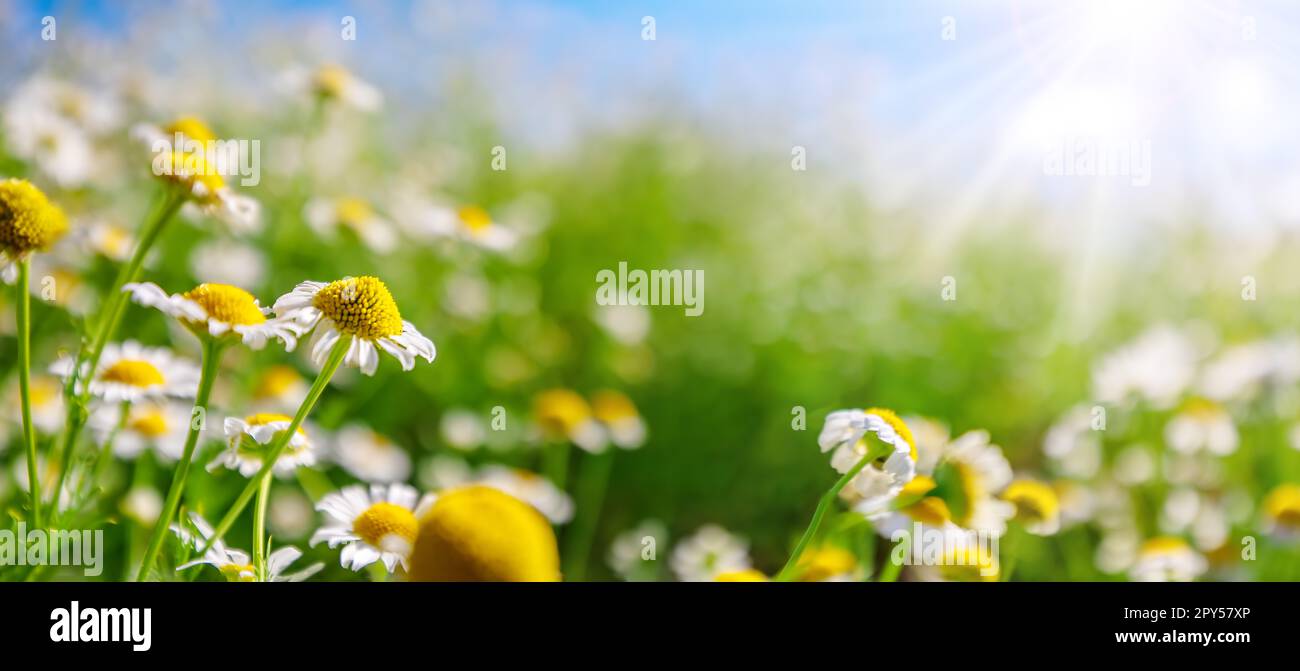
pixel 276 381
pixel 239 572
pixel 331 81
pixel 1164 545
pixel 360 306
pixel 745 575
pixel 355 213
pixel 611 407
pixel 191 170
pixel 478 533
pixel 475 218
pixel 825 563
pixel 382 520
pixel 192 128
pixel 133 372
pixel 561 411
pixel 28 220
pixel 930 510
pixel 1034 501
pixel 1283 505
pixel 151 423
pixel 228 304
pixel 44 390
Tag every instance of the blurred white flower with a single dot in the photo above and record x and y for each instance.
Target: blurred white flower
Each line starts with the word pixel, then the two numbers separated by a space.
pixel 290 514
pixel 1167 559
pixel 1201 425
pixel 331 83
pixel 228 262
pixel 462 429
pixel 1156 367
pixel 1134 465
pixel 627 324
pixel 142 504
pixel 249 438
pixel 710 551
pixel 370 456
pixel 1242 371
pixel 530 488
pixel 633 553
pixel 161 426
pixel 328 217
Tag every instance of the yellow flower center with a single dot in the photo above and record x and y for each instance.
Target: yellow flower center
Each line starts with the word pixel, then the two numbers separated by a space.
pixel 895 422
pixel 560 411
pixel 382 520
pixel 1282 505
pixel 114 241
pixel 239 572
pixel 475 218
pixel 745 575
pixel 44 390
pixel 930 510
pixel 360 306
pixel 355 213
pixel 331 81
pixel 228 304
pixel 188 170
pixel 1035 502
pixel 825 563
pixel 276 381
pixel 260 418
pixel 133 372
pixel 1162 545
pixel 192 129
pixel 478 533
pixel 28 220
pixel 1201 408
pixel 610 406
pixel 151 423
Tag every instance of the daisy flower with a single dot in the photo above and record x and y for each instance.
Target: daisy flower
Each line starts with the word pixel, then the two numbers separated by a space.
pixel 977 470
pixel 1202 425
pixel 219 311
pixel 1167 559
pixel 132 372
pixel 469 223
pixel 462 429
pixel 236 565
pixel 379 524
pixel 370 456
pixel 360 309
pixel 1282 512
pixel 709 552
pixel 531 488
pixel 562 414
pixel 109 240
pixel 478 533
pixel 142 504
pixel 353 214
pixel 53 124
pixel 29 222
pixel 280 388
pixel 197 167
pixel 633 553
pixel 333 83
pixel 47 403
pixel 248 439
pixel 845 432
pixel 1156 367
pixel 162 426
pixel 913 505
pixel 1036 506
pixel 623 424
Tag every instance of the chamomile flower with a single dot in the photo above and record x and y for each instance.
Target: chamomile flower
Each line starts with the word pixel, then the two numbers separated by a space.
pixel 633 553
pixel 379 524
pixel 1167 559
pixel 978 472
pixel 1036 506
pixel 711 551
pixel 915 504
pixel 109 240
pixel 370 456
pixel 845 432
pixel 462 429
pixel 333 83
pixel 219 311
pixel 197 167
pixel 47 403
pixel 469 223
pixel 826 564
pixel 159 425
pixel 328 217
pixel 360 309
pixel 530 488
pixel 1156 368
pixel 132 372
pixel 280 388
pixel 1281 511
pixel 236 565
pixel 29 222
pixel 53 124
pixel 1202 425
pixel 622 422
pixel 563 414
pixel 142 504
pixel 249 438
pixel 479 533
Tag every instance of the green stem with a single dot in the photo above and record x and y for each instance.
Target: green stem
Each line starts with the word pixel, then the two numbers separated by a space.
pixel 25 388
pixel 259 529
pixel 892 568
pixel 593 481
pixel 281 440
pixel 208 376
pixel 106 327
pixel 787 573
pixel 106 451
pixel 555 464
